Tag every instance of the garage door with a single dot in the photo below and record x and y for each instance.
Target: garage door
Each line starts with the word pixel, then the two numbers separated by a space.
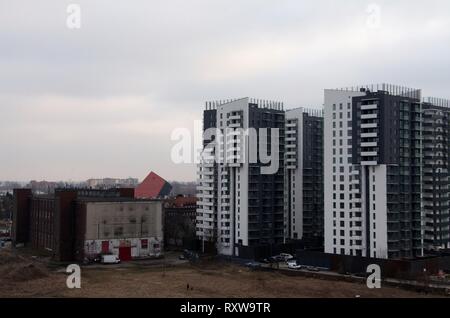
pixel 125 253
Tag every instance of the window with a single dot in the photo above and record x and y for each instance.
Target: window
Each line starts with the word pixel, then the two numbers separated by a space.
pixel 144 243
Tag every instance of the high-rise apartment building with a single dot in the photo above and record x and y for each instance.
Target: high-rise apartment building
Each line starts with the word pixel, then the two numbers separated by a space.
pixel 241 175
pixel 373 172
pixel 435 173
pixel 304 176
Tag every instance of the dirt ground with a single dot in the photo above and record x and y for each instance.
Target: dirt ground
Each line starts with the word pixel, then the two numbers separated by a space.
pixel 24 277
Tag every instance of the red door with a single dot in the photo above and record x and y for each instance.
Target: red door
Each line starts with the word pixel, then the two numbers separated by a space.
pixel 125 253
pixel 105 247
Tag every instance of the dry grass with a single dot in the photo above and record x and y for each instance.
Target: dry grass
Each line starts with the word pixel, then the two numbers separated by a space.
pixel 211 280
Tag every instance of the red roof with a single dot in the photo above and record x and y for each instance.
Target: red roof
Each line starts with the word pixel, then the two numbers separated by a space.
pixel 180 201
pixel 151 187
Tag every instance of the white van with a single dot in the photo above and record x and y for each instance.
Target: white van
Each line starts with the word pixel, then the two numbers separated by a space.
pixel 109 259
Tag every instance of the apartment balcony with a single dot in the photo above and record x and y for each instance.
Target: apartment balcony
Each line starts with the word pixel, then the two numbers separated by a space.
pixel 368 125
pixel 369 135
pixel 369 116
pixel 205 196
pixel 369 163
pixel 205 219
pixel 291 155
pixel 204 210
pixel 369 107
pixel 234 117
pixel 204 188
pixel 369 144
pixel 205 203
pixel 369 154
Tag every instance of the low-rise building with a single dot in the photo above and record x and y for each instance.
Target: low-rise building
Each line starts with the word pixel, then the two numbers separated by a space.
pixel 83 224
pixel 179 221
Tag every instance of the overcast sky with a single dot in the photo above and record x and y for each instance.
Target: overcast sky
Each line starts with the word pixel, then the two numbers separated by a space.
pixel 103 100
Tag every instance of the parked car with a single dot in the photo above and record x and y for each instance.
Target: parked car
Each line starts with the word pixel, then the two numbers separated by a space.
pixel 110 259
pixel 181 257
pixel 292 261
pixel 286 256
pixel 277 259
pixel 253 265
pixel 313 269
pixel 294 266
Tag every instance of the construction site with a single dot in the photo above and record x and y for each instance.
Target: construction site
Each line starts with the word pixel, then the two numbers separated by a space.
pixel 23 274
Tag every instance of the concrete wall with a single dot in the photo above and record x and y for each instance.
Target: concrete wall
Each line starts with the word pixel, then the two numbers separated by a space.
pixel 124 224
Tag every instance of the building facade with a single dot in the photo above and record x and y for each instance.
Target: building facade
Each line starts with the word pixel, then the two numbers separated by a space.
pixel 83 224
pixel 435 173
pixel 386 179
pixel 304 177
pixel 241 175
pixel 180 221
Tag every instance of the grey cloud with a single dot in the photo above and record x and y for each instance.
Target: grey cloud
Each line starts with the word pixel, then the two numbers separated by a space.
pixel 163 59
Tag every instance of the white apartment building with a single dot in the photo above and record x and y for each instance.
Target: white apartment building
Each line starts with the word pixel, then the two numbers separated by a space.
pixel 344 222
pixel 372 172
pixel 239 206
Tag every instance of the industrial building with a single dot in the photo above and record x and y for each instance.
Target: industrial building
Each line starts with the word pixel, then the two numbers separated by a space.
pixel 81 224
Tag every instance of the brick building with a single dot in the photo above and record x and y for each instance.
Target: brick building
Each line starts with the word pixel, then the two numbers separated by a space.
pixel 82 224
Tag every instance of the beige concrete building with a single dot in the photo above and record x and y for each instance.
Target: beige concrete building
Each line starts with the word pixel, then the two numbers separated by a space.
pixel 127 228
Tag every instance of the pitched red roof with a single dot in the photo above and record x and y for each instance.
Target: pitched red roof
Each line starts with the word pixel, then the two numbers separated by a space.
pixel 151 187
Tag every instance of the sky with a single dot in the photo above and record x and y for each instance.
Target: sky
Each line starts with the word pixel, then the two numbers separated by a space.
pixel 103 100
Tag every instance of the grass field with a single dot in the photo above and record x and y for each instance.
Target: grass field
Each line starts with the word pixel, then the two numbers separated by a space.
pixel 22 276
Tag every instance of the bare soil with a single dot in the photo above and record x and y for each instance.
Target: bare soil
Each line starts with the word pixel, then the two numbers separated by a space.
pixel 22 276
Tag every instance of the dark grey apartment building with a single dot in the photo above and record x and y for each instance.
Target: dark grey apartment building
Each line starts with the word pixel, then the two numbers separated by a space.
pixel 435 173
pixel 241 178
pixel 304 177
pixel 386 172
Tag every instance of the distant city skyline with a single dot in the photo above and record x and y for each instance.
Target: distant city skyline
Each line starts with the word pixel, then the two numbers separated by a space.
pixel 103 100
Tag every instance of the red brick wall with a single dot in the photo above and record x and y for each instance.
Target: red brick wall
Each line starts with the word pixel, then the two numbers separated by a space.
pixel 21 224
